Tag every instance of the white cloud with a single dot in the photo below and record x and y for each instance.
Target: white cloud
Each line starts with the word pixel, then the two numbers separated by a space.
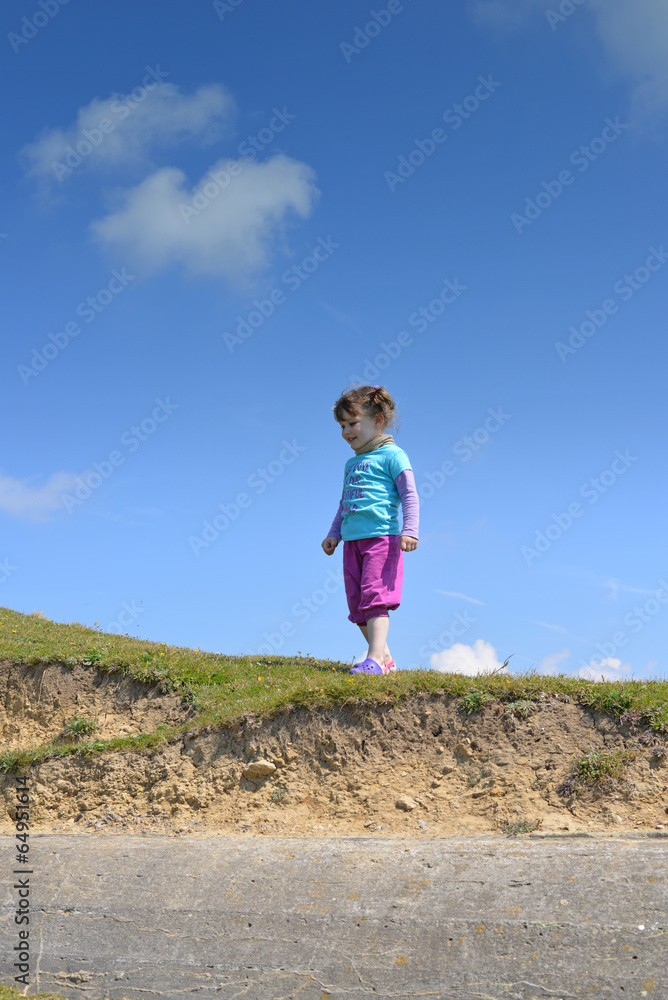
pixel 548 665
pixel 164 117
pixel 556 628
pixel 609 669
pixel 586 577
pixel 615 587
pixel 634 36
pixel 229 235
pixel 480 658
pixel 20 499
pixel 453 593
pixel 501 13
pixel 560 628
pixel 345 319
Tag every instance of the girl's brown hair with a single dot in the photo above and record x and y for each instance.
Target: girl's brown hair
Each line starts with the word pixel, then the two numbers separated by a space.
pixel 367 400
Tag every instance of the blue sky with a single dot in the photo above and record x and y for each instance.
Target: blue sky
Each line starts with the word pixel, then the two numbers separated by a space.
pixel 216 216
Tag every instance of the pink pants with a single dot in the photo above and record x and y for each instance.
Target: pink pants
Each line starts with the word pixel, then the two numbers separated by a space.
pixel 373 571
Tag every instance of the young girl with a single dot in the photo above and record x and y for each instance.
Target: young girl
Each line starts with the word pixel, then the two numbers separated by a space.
pixel 375 481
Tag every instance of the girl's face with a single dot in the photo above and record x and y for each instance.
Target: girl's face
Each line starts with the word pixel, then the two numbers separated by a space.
pixel 359 430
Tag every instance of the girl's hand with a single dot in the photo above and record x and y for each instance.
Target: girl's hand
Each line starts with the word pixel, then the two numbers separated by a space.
pixel 407 543
pixel 330 544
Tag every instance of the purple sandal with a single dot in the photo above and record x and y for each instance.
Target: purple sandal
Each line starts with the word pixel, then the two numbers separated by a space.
pixel 367 666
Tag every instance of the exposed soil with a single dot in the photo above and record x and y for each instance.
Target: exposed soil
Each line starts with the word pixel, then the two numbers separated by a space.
pixel 36 703
pixel 423 767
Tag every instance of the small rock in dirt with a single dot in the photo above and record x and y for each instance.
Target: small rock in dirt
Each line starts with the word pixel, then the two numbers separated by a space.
pixel 259 769
pixel 406 803
pixel 422 825
pixel 449 768
pixel 463 749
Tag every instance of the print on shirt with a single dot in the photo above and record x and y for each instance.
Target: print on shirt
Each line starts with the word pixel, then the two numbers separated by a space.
pixel 370 500
pixel 351 488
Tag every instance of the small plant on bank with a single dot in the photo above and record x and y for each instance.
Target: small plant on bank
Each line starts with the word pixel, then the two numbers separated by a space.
pixel 522 826
pixel 632 719
pixel 650 739
pixel 78 727
pixel 656 717
pixel 521 709
pixel 657 744
pixel 91 658
pixel 474 700
pixel 596 769
pixel 278 793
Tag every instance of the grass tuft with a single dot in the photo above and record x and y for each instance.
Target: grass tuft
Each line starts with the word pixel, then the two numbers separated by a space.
pixel 521 709
pixel 10 993
pixel 596 768
pixel 78 727
pixel 474 700
pixel 521 826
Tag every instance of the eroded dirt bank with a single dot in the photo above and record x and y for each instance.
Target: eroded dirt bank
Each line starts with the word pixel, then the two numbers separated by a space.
pixel 422 767
pixel 37 702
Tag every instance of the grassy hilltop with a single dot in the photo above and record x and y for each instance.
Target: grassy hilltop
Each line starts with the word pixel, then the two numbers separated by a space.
pixel 220 688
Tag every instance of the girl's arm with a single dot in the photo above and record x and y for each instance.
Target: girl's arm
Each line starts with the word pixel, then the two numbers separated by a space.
pixel 334 536
pixel 335 530
pixel 410 503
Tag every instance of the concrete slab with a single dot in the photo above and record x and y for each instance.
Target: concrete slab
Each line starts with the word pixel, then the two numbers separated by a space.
pixel 490 917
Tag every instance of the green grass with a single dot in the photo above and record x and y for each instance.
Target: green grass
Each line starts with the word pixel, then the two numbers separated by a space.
pixel 522 826
pixel 596 768
pixel 9 993
pixel 521 709
pixel 78 727
pixel 221 688
pixel 474 700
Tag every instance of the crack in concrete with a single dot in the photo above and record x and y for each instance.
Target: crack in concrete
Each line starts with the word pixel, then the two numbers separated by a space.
pixel 546 991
